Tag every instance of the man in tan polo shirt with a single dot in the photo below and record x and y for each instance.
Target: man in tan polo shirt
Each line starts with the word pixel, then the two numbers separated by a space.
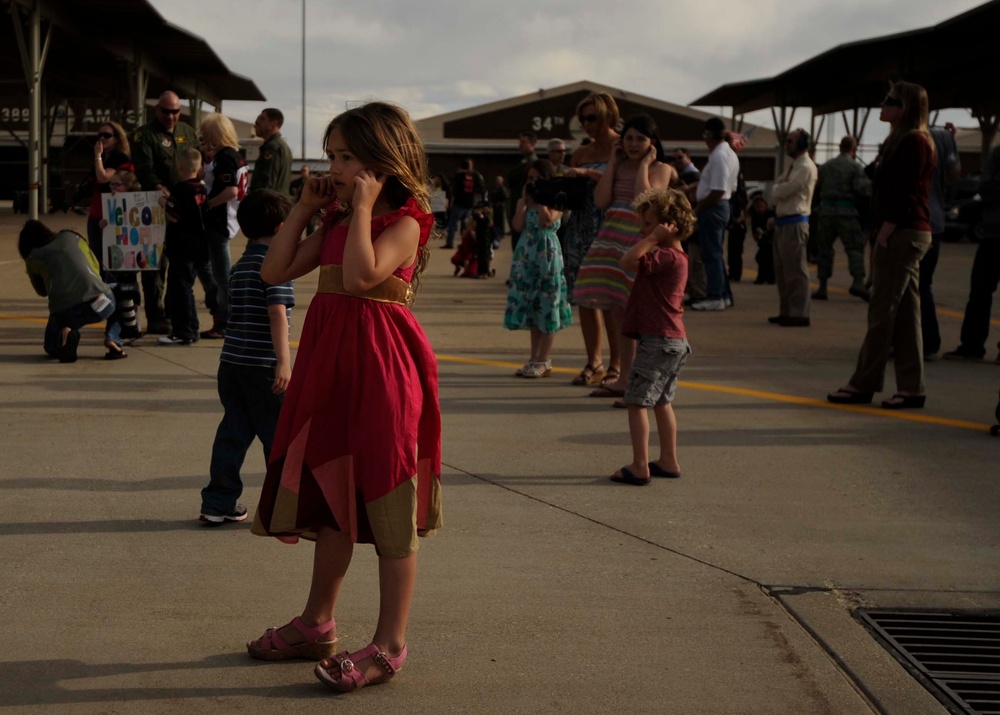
pixel 792 195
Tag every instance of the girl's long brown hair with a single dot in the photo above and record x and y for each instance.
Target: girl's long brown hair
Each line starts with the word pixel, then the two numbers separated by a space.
pixel 384 139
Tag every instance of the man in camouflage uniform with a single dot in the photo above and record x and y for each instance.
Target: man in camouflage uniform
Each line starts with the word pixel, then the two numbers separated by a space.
pixel 156 150
pixel 273 168
pixel 841 183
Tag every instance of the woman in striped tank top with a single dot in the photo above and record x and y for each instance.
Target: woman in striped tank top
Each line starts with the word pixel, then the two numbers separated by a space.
pixel 636 166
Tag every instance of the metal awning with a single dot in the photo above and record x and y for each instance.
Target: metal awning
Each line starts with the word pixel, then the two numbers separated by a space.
pixel 943 58
pixel 120 50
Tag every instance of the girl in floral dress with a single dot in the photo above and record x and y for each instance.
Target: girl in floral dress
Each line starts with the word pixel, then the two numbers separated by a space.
pixel 537 296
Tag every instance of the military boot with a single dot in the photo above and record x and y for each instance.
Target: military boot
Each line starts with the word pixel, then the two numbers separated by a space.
pixel 858 289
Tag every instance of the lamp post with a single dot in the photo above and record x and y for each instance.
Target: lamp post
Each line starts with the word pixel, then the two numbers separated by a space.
pixel 303 154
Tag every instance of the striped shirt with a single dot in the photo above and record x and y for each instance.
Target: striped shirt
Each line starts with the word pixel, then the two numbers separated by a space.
pixel 248 332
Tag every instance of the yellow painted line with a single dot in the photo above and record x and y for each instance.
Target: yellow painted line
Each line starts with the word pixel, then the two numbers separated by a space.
pixel 772 396
pixel 24 319
pixel 707 387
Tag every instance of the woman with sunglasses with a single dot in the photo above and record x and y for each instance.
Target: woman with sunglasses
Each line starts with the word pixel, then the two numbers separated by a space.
pixel 598 115
pixel 902 219
pixel 111 153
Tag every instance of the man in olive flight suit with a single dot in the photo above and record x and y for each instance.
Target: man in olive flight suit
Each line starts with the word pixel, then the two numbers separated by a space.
pixel 156 149
pixel 273 168
pixel 842 182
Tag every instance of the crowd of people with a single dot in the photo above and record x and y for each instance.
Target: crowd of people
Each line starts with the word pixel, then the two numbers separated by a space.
pixel 869 209
pixel 352 431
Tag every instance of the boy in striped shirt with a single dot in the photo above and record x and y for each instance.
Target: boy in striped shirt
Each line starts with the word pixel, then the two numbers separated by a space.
pixel 256 363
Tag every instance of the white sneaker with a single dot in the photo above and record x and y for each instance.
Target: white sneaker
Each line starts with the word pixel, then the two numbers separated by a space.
pixel 239 513
pixel 171 340
pixel 709 305
pixel 728 301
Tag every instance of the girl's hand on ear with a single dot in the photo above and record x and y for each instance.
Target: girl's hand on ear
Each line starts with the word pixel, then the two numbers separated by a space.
pixel 367 187
pixel 318 192
pixel 649 157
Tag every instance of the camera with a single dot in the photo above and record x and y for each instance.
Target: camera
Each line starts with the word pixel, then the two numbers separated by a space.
pixel 565 192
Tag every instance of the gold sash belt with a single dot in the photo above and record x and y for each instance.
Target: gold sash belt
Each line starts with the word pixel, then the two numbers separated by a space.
pixel 391 290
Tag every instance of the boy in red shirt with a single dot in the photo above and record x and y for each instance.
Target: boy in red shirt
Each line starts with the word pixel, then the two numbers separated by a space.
pixel 654 316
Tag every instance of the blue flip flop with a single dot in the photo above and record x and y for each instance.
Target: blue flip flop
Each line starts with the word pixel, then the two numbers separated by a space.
pixel 629 477
pixel 655 470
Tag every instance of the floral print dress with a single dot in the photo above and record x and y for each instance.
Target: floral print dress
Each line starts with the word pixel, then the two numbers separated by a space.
pixel 537 295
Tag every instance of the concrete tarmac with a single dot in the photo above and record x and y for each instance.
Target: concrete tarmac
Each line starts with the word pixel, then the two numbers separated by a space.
pixel 550 589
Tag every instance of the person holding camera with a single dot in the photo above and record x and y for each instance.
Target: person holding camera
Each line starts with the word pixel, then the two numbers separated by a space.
pixel 637 165
pixel 537 296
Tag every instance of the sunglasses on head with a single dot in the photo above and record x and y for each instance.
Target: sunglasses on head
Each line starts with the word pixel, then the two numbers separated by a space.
pixel 588 118
pixel 105 135
pixel 891 101
pixel 169 111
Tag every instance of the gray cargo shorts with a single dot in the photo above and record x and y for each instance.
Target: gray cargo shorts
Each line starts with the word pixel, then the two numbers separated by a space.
pixel 657 365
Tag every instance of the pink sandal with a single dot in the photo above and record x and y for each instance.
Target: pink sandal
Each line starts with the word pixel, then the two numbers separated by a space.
pixel 349 677
pixel 271 646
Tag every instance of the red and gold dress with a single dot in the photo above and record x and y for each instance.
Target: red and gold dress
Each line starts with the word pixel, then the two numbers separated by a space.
pixel 358 443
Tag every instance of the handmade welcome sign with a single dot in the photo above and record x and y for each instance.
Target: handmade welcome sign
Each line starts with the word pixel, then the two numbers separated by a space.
pixel 135 229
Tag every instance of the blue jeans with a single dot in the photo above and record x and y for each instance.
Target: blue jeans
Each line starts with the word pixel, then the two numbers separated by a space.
pixel 218 256
pixel 456 219
pixel 712 224
pixel 75 318
pixel 251 411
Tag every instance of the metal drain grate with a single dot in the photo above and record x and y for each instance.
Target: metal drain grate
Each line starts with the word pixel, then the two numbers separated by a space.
pixel 955 654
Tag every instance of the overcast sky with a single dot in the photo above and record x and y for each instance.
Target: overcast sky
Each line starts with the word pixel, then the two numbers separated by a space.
pixel 435 57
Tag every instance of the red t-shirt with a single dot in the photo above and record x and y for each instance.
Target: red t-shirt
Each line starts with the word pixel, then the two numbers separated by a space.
pixel 656 304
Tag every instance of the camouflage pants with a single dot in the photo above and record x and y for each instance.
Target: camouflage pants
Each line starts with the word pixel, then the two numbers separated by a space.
pixel 848 229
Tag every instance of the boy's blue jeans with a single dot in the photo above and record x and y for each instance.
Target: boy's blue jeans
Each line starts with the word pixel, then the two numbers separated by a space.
pixel 251 411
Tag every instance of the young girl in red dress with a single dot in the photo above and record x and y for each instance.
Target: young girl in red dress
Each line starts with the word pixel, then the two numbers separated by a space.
pixel 357 451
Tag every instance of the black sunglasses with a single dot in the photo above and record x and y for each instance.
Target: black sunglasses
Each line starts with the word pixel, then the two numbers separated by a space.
pixel 105 135
pixel 585 118
pixel 169 111
pixel 891 101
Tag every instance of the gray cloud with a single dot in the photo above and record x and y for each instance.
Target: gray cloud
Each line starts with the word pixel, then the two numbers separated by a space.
pixel 436 57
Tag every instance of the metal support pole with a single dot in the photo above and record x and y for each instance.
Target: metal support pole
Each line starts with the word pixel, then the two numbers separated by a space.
pixel 35 105
pixel 303 152
pixel 43 155
pixel 140 92
pixel 781 140
pixel 864 123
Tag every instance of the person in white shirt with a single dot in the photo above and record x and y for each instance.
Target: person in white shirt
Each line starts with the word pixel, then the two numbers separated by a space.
pixel 716 185
pixel 792 195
